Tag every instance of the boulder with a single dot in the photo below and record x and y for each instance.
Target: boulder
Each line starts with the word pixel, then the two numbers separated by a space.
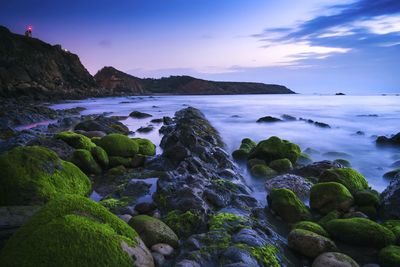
pixel 139 115
pixel 103 124
pixel 287 205
pixel 334 259
pixel 100 155
pixel 34 175
pixel 299 185
pixel 391 174
pixel 268 119
pixel 146 147
pixel 85 161
pixel 360 231
pixel 75 140
pixel 153 231
pixel 393 140
pixel 390 256
pixel 350 178
pixel 244 150
pixel 262 171
pixel 119 145
pixel 390 200
pixel 73 230
pixel 275 148
pixel 281 165
pixel 309 244
pixel 327 197
pixel 312 227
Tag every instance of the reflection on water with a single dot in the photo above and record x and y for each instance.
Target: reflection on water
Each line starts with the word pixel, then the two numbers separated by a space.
pixel 235 118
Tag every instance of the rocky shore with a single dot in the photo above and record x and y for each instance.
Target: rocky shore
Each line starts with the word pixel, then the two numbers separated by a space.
pixel 78 191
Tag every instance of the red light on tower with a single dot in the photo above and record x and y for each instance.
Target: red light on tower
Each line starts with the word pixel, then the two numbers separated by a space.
pixel 29 28
pixel 28 32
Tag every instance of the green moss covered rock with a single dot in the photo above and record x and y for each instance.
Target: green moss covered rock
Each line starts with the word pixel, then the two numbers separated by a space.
pixel 394 226
pixel 360 231
pixel 287 205
pixel 262 171
pixel 184 224
pixel 281 165
pixel 153 231
pixel 329 217
pixel 100 155
pixel 350 178
pixel 119 145
pixel 304 159
pixel 132 162
pixel 312 227
pixel 327 197
pixel 75 140
pixel 390 256
pixel 146 147
pixel 275 148
pixel 34 175
pixel 227 221
pixel 252 162
pixel 75 231
pixel 85 161
pixel 391 174
pixel 244 150
pixel 367 197
pixel 309 244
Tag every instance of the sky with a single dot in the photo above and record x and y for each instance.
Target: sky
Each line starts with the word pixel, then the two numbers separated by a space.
pixel 325 46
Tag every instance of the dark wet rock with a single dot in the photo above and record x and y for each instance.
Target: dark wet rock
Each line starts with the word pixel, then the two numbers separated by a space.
pixel 235 116
pixel 145 129
pixel 168 120
pixel 299 185
pixel 91 134
pixel 330 196
pixel 316 123
pixel 159 259
pixel 309 244
pixel 317 168
pixel 240 255
pixel 287 117
pixel 136 188
pixel 390 200
pixel 139 115
pixel 394 140
pixel 268 119
pixel 103 124
pixel 19 140
pixel 391 174
pixel 62 149
pixel 334 259
pixel 145 207
pixel 249 237
pixel 160 120
pixel 360 133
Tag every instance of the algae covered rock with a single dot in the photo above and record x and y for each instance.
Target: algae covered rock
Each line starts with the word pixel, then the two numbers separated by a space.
pixel 139 115
pixel 75 231
pixel 146 147
pixel 244 150
pixel 327 197
pixel 390 256
pixel 262 171
pixel 85 161
pixel 75 140
pixel 119 145
pixel 34 175
pixel 275 148
pixel 100 155
pixel 394 226
pixel 367 198
pixel 153 231
pixel 312 227
pixel 281 165
pixel 309 244
pixel 334 259
pixel 287 205
pixel 183 224
pixel 360 231
pixel 350 178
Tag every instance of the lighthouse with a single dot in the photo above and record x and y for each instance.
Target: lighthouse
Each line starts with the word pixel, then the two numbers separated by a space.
pixel 28 32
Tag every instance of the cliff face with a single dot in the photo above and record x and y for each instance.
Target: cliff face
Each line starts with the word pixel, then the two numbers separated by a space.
pixel 112 79
pixel 31 67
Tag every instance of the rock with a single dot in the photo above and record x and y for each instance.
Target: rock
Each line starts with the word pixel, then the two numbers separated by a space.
pixel 91 134
pixel 391 174
pixel 275 148
pixel 287 205
pixel 367 197
pixel 317 168
pixel 281 165
pixel 394 140
pixel 343 162
pixel 16 216
pixel 249 237
pixel 304 159
pixel 160 120
pixel 159 260
pixel 119 83
pixel 145 207
pixel 244 150
pixel 103 124
pixel 309 244
pixel 131 162
pixel 62 149
pixel 75 140
pixel 287 117
pixel 163 249
pixel 139 115
pixel 360 231
pixel 136 188
pixel 312 227
pixel 183 224
pixel 394 226
pixel 125 217
pixel 327 197
pixel 396 164
pixel 153 231
pixel 390 256
pixel 119 145
pixel 34 175
pixel 350 178
pixel 145 129
pixel 101 157
pixel 146 147
pixel 85 161
pixel 299 185
pixel 108 240
pixel 390 200
pixel 268 119
pixel 334 259
pixel 262 171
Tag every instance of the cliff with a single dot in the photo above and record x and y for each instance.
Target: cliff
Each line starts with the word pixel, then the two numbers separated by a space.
pixel 33 68
pixel 112 79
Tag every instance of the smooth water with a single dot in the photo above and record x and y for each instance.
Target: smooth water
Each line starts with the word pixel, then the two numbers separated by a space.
pixel 235 117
